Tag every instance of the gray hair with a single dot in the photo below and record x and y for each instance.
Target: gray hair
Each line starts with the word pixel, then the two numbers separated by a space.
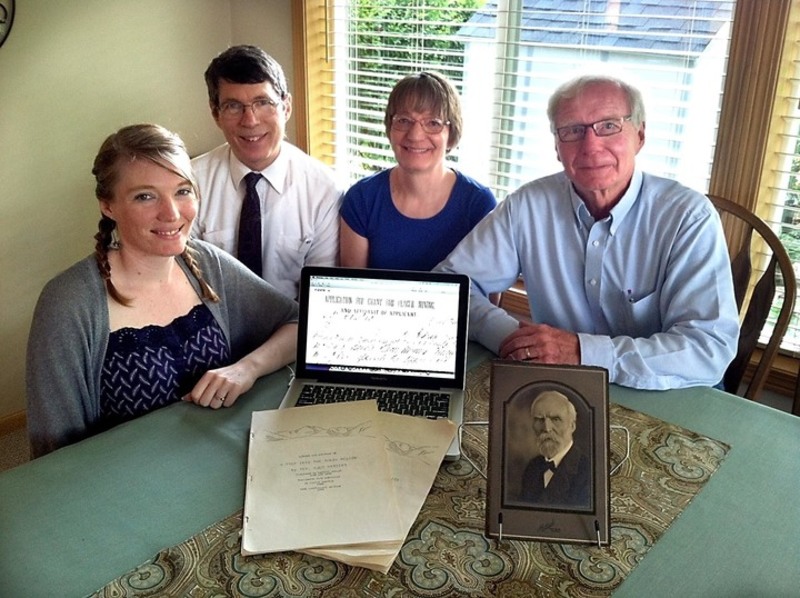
pixel 554 394
pixel 573 87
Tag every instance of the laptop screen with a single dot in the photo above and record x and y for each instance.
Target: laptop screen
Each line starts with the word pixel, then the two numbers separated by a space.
pixel 383 324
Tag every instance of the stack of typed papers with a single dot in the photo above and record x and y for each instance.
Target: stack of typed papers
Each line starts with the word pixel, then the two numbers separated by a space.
pixel 342 481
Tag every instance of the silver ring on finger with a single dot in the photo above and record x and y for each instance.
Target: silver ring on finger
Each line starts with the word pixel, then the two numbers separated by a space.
pixel 527 353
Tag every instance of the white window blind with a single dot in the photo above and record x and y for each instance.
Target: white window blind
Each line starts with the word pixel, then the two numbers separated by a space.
pixel 507 56
pixel 780 203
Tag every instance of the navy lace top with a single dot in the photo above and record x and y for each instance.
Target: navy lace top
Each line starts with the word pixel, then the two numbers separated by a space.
pixel 147 368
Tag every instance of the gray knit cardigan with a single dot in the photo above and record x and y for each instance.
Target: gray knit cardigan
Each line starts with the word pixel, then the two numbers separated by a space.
pixel 70 330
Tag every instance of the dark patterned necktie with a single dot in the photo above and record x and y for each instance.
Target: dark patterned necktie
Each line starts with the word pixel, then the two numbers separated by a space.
pixel 250 226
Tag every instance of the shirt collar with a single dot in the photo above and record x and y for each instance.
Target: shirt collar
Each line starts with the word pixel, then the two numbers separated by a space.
pixel 624 205
pixel 275 173
pixel 618 212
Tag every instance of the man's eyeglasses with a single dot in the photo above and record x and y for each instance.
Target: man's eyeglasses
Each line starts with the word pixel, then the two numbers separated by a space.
pixel 602 128
pixel 261 107
pixel 432 126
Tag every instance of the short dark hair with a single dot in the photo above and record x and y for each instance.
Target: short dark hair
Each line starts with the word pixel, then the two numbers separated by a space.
pixel 429 91
pixel 244 64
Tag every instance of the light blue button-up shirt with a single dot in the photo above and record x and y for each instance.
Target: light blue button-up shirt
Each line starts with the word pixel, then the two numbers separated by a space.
pixel 648 289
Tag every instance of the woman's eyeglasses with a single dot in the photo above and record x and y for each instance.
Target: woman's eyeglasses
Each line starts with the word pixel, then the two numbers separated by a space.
pixel 432 126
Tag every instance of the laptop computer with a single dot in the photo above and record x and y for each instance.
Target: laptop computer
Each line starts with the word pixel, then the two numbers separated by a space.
pixel 383 330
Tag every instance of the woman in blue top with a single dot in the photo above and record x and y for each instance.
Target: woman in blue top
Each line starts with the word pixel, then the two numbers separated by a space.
pixel 411 216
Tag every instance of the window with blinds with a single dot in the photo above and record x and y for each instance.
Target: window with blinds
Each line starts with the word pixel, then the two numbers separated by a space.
pixel 506 57
pixel 780 200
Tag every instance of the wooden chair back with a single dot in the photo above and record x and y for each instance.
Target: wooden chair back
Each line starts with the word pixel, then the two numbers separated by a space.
pixel 744 248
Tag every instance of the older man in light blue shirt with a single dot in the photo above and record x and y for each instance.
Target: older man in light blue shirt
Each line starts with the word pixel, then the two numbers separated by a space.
pixel 624 270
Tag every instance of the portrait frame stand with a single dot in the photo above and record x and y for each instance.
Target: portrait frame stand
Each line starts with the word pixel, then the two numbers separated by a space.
pixel 549 481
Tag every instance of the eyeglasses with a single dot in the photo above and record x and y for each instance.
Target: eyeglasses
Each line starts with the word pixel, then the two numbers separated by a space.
pixel 432 126
pixel 602 128
pixel 261 107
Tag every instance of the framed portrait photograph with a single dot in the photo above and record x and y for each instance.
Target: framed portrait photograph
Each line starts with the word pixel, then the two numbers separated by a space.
pixel 548 462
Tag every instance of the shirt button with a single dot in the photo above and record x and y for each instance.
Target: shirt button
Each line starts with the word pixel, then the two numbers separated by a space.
pixel 593 282
pixel 595 243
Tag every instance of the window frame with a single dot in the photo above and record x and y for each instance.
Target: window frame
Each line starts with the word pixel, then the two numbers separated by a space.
pixel 747 132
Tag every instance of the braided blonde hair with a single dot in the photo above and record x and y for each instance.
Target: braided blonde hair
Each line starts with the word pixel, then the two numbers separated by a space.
pixel 148 142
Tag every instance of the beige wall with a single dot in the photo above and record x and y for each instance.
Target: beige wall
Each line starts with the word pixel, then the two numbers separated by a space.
pixel 70 74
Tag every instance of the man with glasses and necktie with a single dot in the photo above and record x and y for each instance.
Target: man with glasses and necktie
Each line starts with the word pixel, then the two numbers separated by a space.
pixel 624 270
pixel 263 199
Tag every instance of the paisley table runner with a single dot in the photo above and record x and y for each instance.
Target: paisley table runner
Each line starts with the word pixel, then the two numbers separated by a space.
pixel 446 553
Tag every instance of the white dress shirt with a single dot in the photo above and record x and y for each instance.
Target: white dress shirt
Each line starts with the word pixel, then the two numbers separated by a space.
pixel 300 200
pixel 548 474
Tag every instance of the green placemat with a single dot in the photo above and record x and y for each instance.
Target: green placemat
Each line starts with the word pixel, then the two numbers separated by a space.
pixel 446 553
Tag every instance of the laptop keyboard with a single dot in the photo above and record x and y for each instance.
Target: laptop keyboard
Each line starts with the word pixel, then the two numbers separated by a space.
pixel 405 402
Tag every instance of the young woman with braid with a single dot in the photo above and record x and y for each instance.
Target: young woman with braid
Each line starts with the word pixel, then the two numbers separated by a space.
pixel 153 317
